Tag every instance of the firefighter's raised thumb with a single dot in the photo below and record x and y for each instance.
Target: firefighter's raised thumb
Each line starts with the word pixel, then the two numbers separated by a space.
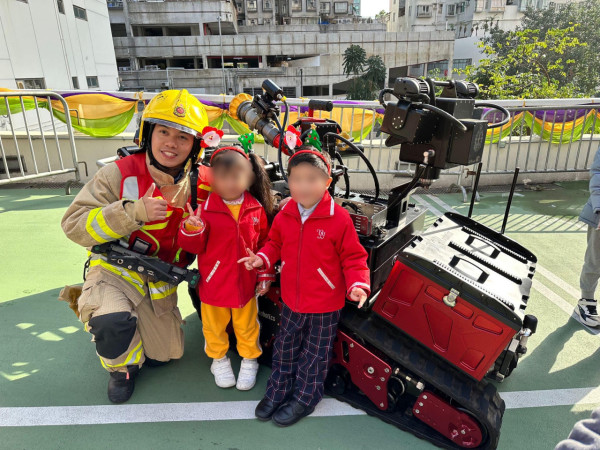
pixel 150 191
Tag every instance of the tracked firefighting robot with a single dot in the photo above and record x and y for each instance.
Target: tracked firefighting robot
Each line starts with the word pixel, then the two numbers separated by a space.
pixel 446 317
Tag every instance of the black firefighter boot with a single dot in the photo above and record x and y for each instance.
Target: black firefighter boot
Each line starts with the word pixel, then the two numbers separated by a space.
pixel 121 384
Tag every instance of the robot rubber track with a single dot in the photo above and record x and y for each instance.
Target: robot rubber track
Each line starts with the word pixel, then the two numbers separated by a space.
pixel 479 399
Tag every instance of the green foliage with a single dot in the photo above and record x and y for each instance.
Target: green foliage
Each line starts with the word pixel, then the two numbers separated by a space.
pixel 553 53
pixel 355 59
pixel 528 64
pixel 369 73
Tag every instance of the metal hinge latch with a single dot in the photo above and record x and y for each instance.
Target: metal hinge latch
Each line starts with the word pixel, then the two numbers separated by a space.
pixel 450 298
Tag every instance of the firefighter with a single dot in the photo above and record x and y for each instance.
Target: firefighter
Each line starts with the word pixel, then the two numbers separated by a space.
pixel 140 199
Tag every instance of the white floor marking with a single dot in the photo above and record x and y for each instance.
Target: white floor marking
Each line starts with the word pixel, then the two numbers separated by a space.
pixel 552 397
pixel 561 303
pixel 244 410
pixel 151 412
pixel 572 291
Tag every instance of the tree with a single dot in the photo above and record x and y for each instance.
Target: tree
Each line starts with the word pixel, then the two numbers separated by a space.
pixel 583 22
pixel 528 64
pixel 382 16
pixel 369 73
pixel 374 76
pixel 355 59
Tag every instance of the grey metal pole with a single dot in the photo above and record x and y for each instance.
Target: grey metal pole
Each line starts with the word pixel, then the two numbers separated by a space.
pixel 222 60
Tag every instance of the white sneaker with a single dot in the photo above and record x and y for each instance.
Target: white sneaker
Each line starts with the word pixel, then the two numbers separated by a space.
pixel 247 375
pixel 221 369
pixel 588 312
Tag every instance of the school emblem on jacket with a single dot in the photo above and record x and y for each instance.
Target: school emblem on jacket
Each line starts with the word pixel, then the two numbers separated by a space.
pixel 320 234
pixel 255 220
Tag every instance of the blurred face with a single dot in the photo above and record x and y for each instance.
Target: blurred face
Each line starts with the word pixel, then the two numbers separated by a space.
pixel 171 147
pixel 231 180
pixel 307 184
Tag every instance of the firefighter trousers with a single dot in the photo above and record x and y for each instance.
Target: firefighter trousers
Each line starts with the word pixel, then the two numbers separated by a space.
pixel 125 333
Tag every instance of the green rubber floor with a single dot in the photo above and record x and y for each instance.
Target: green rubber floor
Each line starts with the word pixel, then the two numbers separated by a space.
pixel 47 360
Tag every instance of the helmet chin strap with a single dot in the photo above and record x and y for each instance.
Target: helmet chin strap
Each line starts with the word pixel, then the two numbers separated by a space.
pixel 193 154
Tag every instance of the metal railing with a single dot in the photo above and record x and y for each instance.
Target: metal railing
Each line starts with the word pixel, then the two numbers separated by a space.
pixel 520 147
pixel 28 164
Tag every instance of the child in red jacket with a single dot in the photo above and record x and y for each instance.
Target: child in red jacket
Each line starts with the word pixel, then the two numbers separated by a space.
pixel 232 219
pixel 322 262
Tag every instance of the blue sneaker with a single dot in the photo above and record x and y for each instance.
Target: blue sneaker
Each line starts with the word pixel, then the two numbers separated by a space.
pixel 588 312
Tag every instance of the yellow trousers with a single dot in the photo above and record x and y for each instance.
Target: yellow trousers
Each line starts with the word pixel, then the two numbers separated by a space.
pixel 245 325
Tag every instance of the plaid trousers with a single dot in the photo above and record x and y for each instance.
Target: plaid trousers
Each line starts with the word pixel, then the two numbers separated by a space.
pixel 301 354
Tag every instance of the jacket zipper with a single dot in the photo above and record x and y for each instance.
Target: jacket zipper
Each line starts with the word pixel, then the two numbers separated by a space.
pixel 298 267
pixel 239 268
pixel 237 224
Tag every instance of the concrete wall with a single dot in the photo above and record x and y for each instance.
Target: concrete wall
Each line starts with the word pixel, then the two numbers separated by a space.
pixel 374 27
pixel 36 41
pixel 396 49
pixel 184 12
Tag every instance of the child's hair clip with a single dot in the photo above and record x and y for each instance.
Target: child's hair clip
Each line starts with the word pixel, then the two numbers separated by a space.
pixel 247 140
pixel 211 137
pixel 292 137
pixel 312 140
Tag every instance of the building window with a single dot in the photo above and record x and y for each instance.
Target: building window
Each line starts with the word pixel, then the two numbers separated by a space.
pixel 80 13
pixel 311 5
pixel 340 7
pixel 451 10
pixel 524 4
pixel 462 64
pixel 23 1
pixel 460 7
pixel 31 83
pixel 296 5
pixel 61 6
pixel 251 5
pixel 289 92
pixel 92 82
pixel 439 68
pixel 267 5
pixel 118 30
pixel 423 11
pixel 75 83
pixel 325 8
pixel 253 91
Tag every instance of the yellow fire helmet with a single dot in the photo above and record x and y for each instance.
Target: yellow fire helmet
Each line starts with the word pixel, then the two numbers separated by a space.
pixel 174 108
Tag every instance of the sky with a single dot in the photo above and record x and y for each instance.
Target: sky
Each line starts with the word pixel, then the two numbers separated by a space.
pixel 369 8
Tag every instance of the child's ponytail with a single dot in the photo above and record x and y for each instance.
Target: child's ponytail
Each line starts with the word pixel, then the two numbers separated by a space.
pixel 261 187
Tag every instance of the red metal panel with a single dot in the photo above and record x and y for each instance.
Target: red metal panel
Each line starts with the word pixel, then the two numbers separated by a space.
pixel 464 335
pixel 456 425
pixel 367 371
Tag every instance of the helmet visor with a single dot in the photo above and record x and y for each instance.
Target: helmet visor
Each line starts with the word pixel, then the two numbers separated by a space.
pixel 168 123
